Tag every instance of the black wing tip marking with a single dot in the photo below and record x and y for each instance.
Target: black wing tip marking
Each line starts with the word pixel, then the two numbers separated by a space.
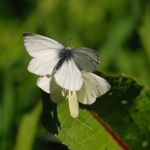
pixel 27 34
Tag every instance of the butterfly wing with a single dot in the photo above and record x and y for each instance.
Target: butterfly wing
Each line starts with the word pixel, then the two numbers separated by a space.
pixel 85 58
pixel 93 87
pixel 44 83
pixel 49 85
pixel 37 45
pixel 57 93
pixel 68 76
pixel 44 52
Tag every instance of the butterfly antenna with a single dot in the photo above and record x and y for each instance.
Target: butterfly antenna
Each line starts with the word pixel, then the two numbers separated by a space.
pixel 70 42
pixel 85 125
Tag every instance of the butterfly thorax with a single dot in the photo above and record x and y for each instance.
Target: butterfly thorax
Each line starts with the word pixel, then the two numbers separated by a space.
pixel 64 55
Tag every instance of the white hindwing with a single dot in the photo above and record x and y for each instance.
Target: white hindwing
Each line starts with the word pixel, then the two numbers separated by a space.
pixel 44 83
pixel 93 87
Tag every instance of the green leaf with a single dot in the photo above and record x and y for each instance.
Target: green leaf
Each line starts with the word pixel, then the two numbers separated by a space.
pixel 84 133
pixel 126 110
pixel 28 129
pixel 140 114
pixel 7 113
pixel 120 118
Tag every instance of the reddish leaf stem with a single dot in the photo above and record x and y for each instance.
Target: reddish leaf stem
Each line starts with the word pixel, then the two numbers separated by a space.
pixel 111 132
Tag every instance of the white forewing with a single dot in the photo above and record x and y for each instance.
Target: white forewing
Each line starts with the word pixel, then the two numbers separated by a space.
pixel 43 65
pixel 37 45
pixel 93 87
pixel 44 52
pixel 86 58
pixel 44 83
pixel 69 76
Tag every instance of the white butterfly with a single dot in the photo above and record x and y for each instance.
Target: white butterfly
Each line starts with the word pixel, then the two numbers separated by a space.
pixel 65 72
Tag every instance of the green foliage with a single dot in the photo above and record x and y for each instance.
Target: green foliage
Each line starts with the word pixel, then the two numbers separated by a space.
pixel 83 133
pixel 117 102
pixel 118 30
pixel 126 103
pixel 120 117
pixel 28 128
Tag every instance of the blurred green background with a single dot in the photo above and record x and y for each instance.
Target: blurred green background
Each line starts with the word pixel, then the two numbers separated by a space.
pixel 118 29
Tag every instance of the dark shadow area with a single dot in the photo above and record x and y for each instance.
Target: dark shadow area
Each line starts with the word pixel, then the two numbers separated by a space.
pixel 49 115
pixel 47 145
